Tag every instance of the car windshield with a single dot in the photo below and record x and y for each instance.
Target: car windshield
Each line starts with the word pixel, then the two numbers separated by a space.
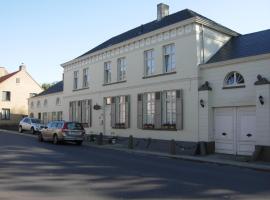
pixel 36 121
pixel 74 126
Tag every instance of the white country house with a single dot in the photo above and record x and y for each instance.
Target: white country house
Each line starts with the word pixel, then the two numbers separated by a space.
pixel 181 79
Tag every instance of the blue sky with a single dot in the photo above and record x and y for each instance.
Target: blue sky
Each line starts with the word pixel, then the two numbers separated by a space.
pixel 44 34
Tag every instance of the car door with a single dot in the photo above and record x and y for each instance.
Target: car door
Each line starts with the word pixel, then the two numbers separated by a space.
pixel 45 132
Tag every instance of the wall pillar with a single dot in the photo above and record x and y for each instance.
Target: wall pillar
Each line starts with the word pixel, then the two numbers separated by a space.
pixel 206 135
pixel 262 145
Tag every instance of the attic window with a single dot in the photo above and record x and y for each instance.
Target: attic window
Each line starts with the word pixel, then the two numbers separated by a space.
pixel 234 79
pixel 18 80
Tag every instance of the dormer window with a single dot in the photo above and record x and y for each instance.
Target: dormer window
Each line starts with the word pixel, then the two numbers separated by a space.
pixel 234 79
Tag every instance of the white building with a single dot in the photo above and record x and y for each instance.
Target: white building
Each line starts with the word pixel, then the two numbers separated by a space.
pixel 48 105
pixel 149 82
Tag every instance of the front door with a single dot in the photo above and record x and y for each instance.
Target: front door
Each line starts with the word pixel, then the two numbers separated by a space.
pixel 234 129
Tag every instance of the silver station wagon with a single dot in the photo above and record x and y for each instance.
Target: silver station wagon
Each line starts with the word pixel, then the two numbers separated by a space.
pixel 62 131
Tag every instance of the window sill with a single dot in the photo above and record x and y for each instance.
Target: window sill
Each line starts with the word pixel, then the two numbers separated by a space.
pixel 160 129
pixel 85 88
pixel 233 87
pixel 119 128
pixel 105 84
pixel 157 75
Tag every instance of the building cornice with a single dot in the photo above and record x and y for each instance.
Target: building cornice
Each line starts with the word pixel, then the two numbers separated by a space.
pixel 235 61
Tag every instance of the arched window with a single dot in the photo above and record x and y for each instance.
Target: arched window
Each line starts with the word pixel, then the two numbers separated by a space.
pixel 58 102
pixel 234 79
pixel 38 104
pixel 45 103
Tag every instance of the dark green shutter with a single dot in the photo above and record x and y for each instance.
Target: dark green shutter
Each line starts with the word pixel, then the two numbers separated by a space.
pixel 140 111
pixel 179 109
pixel 157 116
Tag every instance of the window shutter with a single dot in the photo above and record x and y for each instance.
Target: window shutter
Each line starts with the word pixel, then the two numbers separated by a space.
pixel 140 111
pixel 127 111
pixel 179 109
pixel 113 111
pixel 79 112
pixel 89 112
pixel 157 116
pixel 70 111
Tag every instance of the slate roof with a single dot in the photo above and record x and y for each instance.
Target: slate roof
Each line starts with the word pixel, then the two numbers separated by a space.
pixel 58 87
pixel 148 27
pixel 3 78
pixel 244 46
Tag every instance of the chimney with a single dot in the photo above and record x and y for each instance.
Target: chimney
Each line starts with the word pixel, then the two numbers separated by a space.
pixel 22 67
pixel 162 11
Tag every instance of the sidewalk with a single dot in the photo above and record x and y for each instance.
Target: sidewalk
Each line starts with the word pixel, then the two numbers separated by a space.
pixel 213 158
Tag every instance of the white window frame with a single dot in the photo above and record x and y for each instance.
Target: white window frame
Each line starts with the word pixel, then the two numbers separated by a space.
pixel 107 72
pixel 121 110
pixel 169 107
pixel 122 69
pixel 169 62
pixel 6 96
pixel 149 62
pixel 5 114
pixel 85 77
pixel 149 108
pixel 235 81
pixel 75 79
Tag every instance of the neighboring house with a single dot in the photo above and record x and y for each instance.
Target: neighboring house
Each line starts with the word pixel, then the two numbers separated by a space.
pixel 15 89
pixel 48 105
pixel 181 79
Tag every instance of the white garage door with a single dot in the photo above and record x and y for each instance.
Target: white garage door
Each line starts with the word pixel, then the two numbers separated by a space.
pixel 234 129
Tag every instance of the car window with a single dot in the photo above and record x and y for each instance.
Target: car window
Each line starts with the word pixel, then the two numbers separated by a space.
pixel 25 120
pixel 60 125
pixel 74 126
pixel 36 121
pixel 49 125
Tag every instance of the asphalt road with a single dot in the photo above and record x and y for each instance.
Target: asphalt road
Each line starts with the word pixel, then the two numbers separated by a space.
pixel 37 171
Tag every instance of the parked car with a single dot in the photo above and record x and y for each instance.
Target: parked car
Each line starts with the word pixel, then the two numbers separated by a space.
pixel 30 124
pixel 62 131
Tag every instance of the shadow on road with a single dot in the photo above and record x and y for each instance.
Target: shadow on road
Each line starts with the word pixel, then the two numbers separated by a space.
pixel 45 170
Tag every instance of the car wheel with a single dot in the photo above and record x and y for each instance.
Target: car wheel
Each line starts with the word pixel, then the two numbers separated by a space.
pixel 33 130
pixel 20 129
pixel 55 139
pixel 40 138
pixel 79 143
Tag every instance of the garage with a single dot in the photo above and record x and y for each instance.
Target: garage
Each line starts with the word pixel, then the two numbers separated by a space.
pixel 234 129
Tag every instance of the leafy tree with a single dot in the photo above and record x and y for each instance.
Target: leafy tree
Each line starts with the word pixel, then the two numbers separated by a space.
pixel 45 86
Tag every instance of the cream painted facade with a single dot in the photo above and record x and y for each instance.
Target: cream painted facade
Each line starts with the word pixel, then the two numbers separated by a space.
pixel 191 48
pixel 20 85
pixel 47 107
pixel 226 120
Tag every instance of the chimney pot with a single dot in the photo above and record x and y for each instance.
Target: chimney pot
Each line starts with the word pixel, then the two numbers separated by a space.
pixel 162 11
pixel 22 67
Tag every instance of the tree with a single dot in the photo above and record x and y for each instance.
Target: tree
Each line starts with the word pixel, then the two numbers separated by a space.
pixel 45 86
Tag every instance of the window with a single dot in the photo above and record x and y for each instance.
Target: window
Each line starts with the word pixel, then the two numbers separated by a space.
pixel 80 111
pixel 45 118
pixel 85 78
pixel 121 63
pixel 59 115
pixel 75 80
pixel 18 80
pixel 5 114
pixel 234 79
pixel 38 104
pixel 54 116
pixel 107 72
pixel 169 58
pixel 32 104
pixel 6 95
pixel 58 102
pixel 108 100
pixel 169 108
pixel 32 94
pixel 39 115
pixel 122 110
pixel 45 103
pixel 149 64
pixel 149 111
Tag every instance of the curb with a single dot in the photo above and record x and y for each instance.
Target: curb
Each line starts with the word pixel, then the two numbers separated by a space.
pixel 253 166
